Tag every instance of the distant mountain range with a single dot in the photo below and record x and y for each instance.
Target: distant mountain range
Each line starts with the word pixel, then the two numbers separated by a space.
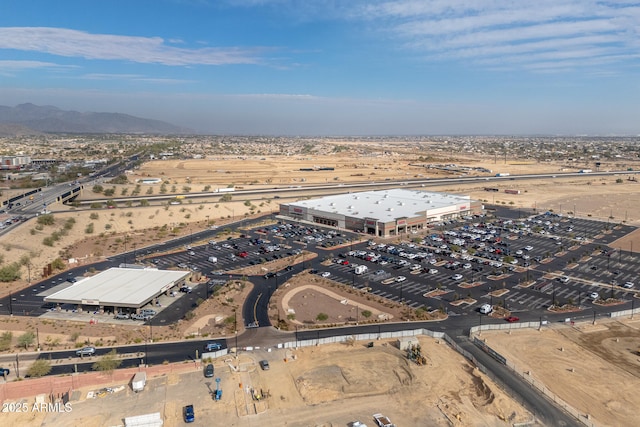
pixel 20 119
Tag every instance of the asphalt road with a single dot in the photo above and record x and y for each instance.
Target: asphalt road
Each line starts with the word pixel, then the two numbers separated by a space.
pixel 255 313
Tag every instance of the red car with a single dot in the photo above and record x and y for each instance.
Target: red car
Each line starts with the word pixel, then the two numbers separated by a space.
pixel 511 319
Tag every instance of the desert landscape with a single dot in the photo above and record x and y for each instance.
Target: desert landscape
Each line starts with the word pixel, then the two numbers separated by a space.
pixel 470 399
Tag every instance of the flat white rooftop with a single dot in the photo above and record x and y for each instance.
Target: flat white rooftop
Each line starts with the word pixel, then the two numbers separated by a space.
pixel 120 287
pixel 385 205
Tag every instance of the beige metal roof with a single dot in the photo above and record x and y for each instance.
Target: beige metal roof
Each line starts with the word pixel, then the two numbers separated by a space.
pixel 121 287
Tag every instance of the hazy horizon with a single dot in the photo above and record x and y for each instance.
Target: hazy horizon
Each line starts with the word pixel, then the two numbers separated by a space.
pixel 296 67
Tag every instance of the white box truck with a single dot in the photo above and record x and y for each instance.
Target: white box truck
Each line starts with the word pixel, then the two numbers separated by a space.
pixel 361 269
pixel 139 381
pixel 213 259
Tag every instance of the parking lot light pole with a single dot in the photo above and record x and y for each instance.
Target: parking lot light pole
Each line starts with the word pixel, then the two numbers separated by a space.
pixel 612 289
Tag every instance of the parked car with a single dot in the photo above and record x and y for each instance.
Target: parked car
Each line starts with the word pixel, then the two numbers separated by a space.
pixel 628 285
pixel 457 277
pixel 121 316
pixel 86 351
pixel 208 371
pixel 400 279
pixel 212 346
pixel 486 308
pixel 264 364
pixel 326 274
pixel 140 316
pixel 189 415
pixel 512 319
pixel 594 296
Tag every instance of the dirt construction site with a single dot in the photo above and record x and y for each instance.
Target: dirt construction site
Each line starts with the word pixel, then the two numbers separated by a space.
pixel 329 385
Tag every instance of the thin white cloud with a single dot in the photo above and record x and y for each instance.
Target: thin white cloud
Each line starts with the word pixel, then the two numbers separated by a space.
pixel 492 30
pixel 24 65
pixel 133 77
pixel 74 43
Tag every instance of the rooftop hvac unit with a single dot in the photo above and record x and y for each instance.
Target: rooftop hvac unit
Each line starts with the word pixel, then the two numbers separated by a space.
pixel 390 209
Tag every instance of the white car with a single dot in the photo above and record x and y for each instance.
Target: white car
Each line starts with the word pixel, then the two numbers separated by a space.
pixel 528 248
pixel 86 351
pixel 457 277
pixel 563 279
pixel 628 285
pixel 466 266
pixel 433 271
pixel 594 296
pixel 326 274
pixel 400 279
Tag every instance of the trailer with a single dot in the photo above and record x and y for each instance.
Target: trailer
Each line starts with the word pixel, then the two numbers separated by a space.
pixel 139 381
pixel 502 174
pixel 383 421
pixel 511 191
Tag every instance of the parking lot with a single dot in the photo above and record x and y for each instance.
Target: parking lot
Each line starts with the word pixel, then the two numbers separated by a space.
pixel 514 263
pixel 456 267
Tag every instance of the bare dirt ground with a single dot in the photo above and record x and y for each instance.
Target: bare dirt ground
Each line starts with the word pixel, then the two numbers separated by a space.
pixel 594 368
pixel 443 390
pixel 329 385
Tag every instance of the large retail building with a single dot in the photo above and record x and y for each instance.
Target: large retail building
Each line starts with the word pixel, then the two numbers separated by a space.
pixel 382 213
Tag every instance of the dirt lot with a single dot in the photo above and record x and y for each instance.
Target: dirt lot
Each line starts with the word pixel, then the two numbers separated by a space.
pixel 330 385
pixel 594 368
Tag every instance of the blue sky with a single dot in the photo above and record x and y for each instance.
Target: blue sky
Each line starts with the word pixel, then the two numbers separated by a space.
pixel 332 67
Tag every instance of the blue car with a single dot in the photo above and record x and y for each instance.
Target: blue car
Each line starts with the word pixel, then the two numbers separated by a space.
pixel 189 415
pixel 212 346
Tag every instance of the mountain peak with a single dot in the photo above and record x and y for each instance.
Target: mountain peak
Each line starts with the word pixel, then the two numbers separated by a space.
pixel 52 119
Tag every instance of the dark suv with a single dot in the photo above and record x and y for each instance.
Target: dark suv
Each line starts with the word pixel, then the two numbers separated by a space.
pixel 208 371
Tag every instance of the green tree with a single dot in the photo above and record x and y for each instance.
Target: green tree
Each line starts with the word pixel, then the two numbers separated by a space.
pixel 120 179
pixel 9 273
pixel 39 368
pixel 5 341
pixel 46 219
pixel 321 317
pixel 58 264
pixel 366 314
pixel 97 189
pixel 107 363
pixel 25 340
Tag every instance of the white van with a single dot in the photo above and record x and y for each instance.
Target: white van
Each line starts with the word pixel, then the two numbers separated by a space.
pixel 213 259
pixel 486 308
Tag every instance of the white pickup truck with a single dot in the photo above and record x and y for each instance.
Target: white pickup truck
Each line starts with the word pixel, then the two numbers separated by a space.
pixel 383 421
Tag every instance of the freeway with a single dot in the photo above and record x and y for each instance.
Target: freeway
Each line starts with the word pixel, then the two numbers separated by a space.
pixel 296 191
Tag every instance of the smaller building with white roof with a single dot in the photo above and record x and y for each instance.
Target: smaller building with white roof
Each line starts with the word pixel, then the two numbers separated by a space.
pixel 119 289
